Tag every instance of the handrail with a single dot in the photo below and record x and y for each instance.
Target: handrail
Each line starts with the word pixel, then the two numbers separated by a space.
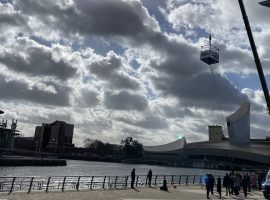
pixel 77 183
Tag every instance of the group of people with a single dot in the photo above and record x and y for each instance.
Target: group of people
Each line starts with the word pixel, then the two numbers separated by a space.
pixel 148 180
pixel 232 183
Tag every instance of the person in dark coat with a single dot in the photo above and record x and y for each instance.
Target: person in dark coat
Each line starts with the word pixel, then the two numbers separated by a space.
pixel 248 182
pixel 132 178
pixel 207 185
pixel 212 183
pixel 245 185
pixel 149 177
pixel 219 187
pixel 164 187
pixel 231 184
pixel 226 183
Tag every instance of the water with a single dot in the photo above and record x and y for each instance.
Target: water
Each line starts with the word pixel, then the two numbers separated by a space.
pixel 89 168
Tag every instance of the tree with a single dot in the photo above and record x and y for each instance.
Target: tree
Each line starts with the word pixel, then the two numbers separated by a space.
pixel 132 148
pixel 87 143
pixel 94 146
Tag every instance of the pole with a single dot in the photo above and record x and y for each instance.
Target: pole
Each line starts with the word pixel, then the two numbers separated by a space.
pixel 256 56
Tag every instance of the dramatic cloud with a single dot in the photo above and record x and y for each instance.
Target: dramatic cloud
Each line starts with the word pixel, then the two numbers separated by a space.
pixel 25 55
pixel 42 93
pixel 125 101
pixel 118 68
pixel 108 69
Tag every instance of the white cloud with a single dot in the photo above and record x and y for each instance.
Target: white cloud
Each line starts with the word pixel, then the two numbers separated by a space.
pixel 151 85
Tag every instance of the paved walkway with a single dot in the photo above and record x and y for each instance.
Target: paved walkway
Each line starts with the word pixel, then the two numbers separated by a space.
pixel 180 193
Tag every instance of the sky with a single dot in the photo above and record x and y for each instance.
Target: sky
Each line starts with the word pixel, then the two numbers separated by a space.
pixel 119 68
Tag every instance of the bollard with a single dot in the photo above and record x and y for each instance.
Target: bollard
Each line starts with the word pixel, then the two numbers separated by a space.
pixel 30 186
pixel 137 181
pixel 156 181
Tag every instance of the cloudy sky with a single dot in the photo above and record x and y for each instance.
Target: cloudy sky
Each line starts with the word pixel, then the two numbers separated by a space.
pixel 118 68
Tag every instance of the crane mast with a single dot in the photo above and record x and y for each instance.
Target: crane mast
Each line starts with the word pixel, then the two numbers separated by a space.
pixel 256 56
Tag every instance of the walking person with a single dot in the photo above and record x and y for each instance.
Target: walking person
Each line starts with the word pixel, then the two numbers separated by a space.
pixel 207 184
pixel 245 185
pixel 232 184
pixel 132 178
pixel 248 182
pixel 219 187
pixel 149 177
pixel 254 182
pixel 212 183
pixel 237 184
pixel 226 183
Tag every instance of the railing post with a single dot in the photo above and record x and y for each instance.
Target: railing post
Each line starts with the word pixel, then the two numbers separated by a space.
pixel 30 186
pixel 194 179
pixel 63 186
pixel 115 181
pixel 47 187
pixel 137 181
pixel 187 180
pixel 156 180
pixel 91 184
pixel 78 184
pixel 12 184
pixel 172 179
pixel 126 183
pixel 104 182
pixel 180 180
pixel 109 182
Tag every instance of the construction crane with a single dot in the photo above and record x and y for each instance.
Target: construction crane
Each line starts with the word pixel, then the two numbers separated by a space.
pixel 265 3
pixel 254 51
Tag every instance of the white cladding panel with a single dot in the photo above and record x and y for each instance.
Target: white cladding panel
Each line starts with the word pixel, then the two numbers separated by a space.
pixel 239 125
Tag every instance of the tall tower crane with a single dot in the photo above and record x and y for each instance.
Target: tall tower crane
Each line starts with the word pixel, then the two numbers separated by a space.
pixel 254 51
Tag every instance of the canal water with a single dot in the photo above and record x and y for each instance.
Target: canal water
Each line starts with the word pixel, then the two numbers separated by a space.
pixel 89 168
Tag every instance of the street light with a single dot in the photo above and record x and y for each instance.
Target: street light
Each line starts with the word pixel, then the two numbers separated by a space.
pixel 265 3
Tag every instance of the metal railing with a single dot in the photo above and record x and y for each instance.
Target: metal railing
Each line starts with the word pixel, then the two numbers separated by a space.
pixel 64 183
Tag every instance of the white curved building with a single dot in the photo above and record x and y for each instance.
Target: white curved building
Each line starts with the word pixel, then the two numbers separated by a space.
pixel 238 150
pixel 173 146
pixel 238 125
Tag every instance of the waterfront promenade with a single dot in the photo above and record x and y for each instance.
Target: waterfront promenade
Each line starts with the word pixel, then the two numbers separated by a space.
pixel 179 193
